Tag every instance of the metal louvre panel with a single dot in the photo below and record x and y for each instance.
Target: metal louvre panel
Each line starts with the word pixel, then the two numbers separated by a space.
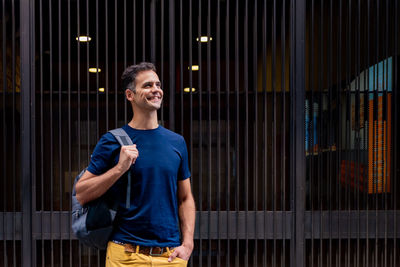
pixel 288 109
pixel 350 148
pixel 81 112
pixel 12 125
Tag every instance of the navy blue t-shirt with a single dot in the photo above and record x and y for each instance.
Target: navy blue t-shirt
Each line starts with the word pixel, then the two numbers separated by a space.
pixel 152 219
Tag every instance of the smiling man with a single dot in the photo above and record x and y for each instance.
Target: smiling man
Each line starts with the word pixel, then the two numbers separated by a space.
pixel 162 205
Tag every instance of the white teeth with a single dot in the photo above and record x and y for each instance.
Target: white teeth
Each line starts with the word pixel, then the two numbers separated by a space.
pixel 154 98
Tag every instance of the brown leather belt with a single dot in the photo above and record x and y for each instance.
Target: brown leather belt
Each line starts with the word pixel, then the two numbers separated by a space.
pixel 150 251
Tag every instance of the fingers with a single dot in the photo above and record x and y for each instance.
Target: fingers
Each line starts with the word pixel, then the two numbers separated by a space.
pixel 128 156
pixel 131 152
pixel 172 256
pixel 180 252
pixel 129 148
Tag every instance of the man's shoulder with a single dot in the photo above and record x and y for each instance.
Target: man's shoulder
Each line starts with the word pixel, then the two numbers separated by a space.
pixel 104 154
pixel 171 134
pixel 108 138
pixel 107 141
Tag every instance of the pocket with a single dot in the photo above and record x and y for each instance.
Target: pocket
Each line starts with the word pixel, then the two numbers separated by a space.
pixel 180 262
pixel 177 260
pixel 116 254
pixel 180 259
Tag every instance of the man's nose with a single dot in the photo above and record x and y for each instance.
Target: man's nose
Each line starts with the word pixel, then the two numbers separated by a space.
pixel 155 88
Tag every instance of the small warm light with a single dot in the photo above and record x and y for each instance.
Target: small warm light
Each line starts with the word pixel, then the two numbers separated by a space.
pixel 101 89
pixel 94 70
pixel 204 39
pixel 187 90
pixel 194 68
pixel 83 38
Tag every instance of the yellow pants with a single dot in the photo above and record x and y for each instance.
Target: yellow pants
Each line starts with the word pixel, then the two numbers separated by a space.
pixel 118 257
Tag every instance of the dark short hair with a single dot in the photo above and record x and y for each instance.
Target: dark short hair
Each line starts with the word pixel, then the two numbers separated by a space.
pixel 129 76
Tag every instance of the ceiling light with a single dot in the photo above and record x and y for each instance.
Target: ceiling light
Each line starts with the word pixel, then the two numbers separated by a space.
pixel 94 70
pixel 187 90
pixel 204 39
pixel 83 38
pixel 101 89
pixel 194 67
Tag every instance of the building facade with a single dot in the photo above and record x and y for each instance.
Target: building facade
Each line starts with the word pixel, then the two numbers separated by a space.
pixel 288 109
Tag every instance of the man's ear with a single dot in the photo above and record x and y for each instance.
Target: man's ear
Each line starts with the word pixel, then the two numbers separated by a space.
pixel 129 94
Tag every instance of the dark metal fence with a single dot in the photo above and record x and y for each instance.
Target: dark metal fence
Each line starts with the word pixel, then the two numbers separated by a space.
pixel 11 110
pixel 288 109
pixel 351 129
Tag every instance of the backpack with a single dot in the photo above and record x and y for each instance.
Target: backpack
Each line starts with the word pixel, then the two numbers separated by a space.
pixel 92 224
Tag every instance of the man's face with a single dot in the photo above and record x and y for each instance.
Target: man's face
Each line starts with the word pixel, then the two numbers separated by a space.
pixel 148 93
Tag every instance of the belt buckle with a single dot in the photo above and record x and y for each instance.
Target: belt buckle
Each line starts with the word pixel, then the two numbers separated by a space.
pixel 156 254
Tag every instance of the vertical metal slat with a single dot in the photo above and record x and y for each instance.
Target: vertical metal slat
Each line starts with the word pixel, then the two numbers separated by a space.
pixel 107 87
pixel 27 77
pixel 172 71
pixel 88 127
pixel 237 125
pixel 319 126
pixel 200 133
pixel 264 129
pixel 349 56
pixel 368 93
pixel 283 133
pixel 227 136
pixel 181 70
pixel 143 30
pixel 60 138
pixel 386 126
pixel 25 125
pixel 153 30
pixel 358 123
pixel 209 125
pixel 134 31
pixel 246 126
pixel 218 162
pixel 162 53
pixel 125 64
pixel 97 74
pixel 255 126
pixel 41 130
pixel 4 130
pixel 69 123
pixel 311 127
pixel 52 160
pixel 375 128
pixel 299 83
pixel 190 37
pixel 339 95
pixel 116 79
pixel 97 88
pixel 330 127
pixel 395 129
pixel 273 118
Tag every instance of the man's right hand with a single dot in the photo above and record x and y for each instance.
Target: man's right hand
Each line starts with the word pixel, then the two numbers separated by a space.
pixel 92 186
pixel 127 157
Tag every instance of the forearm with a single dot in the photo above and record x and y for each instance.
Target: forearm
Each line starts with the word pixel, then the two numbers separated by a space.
pixel 91 187
pixel 187 216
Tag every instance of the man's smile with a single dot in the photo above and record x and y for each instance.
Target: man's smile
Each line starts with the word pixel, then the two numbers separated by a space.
pixel 155 98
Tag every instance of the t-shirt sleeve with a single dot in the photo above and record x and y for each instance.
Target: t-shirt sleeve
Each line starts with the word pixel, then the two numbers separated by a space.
pixel 104 153
pixel 184 171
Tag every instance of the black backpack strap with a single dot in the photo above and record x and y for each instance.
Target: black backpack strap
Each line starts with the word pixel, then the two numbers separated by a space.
pixel 124 140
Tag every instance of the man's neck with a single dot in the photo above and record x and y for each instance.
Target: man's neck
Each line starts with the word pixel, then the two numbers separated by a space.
pixel 146 121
